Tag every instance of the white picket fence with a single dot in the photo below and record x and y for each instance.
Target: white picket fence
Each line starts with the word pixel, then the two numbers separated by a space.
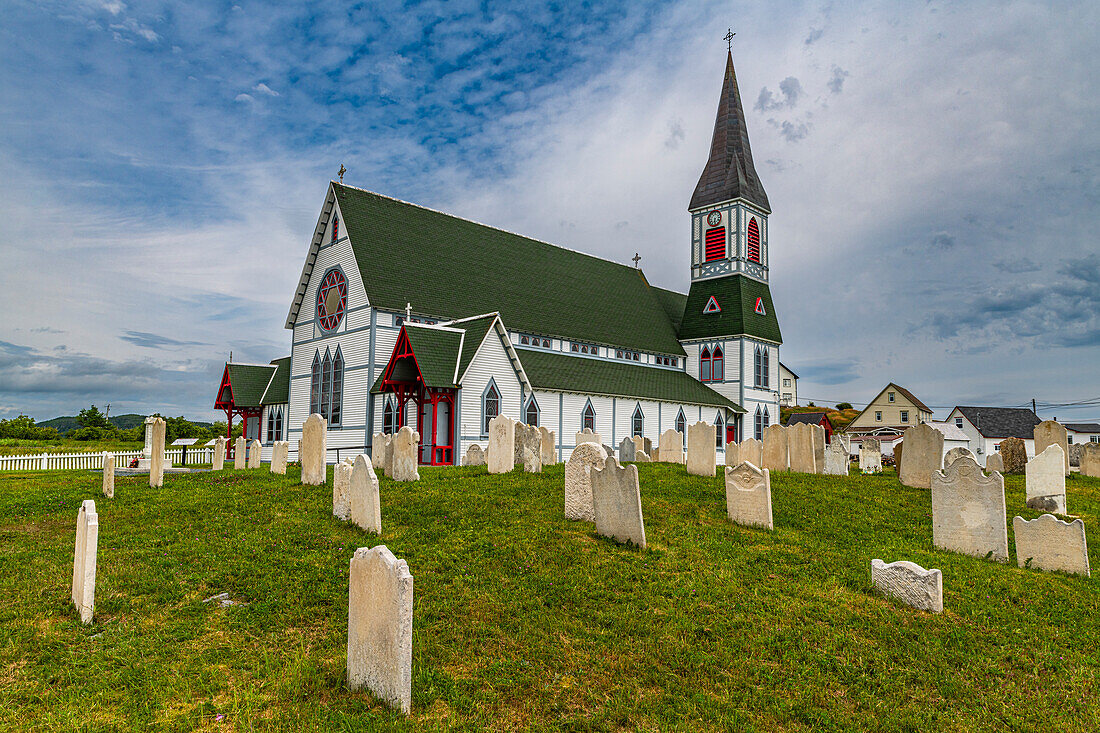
pixel 92 461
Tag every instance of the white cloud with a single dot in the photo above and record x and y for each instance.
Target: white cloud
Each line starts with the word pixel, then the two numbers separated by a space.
pixel 265 89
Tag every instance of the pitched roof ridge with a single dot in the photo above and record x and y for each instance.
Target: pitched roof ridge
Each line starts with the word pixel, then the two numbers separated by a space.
pixel 912 397
pixel 269 365
pixel 470 318
pixel 434 326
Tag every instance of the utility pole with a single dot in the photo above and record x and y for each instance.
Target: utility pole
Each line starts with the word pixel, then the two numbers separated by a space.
pixel 1033 407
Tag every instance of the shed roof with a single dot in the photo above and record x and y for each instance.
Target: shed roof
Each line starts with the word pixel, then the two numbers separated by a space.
pixel 1083 427
pixel 1002 422
pixel 813 418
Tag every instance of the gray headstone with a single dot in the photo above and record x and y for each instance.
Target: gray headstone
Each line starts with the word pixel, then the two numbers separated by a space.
pixel 627 449
pixel 994 463
pixel 800 448
pixel 311 450
pixel 365 503
pixel 836 459
pixel 280 449
pixel 1049 433
pixel 1090 460
pixel 923 456
pixel 474 456
pixel 776 438
pixel 617 502
pixel 701 458
pixel 1051 544
pixel 749 495
pixel 909 583
pixel 954 454
pixel 751 450
pixel 341 491
pixel 578 480
pixel 502 438
pixel 968 510
pixel 548 447
pixel 587 436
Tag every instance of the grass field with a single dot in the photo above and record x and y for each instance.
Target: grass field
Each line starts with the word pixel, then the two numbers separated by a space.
pixel 524 620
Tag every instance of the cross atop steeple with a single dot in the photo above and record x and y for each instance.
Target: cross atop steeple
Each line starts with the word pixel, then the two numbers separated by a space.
pixel 728 38
pixel 637 258
pixel 341 172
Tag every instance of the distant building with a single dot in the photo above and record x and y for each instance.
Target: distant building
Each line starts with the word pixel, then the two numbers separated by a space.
pixel 986 427
pixel 788 386
pixel 887 416
pixel 254 392
pixel 1077 432
pixel 813 418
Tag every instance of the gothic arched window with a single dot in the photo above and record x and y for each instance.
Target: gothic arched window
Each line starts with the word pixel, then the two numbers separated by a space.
pixel 719 431
pixel 336 391
pixel 588 418
pixel 717 369
pixel 326 385
pixel 637 421
pixel 389 418
pixel 531 414
pixel 704 365
pixel 758 424
pixel 326 389
pixel 681 423
pixel 315 385
pixel 490 407
pixel 754 240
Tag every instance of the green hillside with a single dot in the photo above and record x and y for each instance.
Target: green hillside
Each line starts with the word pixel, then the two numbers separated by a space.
pixel 68 423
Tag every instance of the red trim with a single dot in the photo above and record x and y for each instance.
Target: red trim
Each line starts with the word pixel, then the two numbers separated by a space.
pixel 754 240
pixel 715 244
pixel 712 306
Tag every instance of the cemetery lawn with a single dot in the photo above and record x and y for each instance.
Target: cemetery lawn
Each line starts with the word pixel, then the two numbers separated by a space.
pixel 524 620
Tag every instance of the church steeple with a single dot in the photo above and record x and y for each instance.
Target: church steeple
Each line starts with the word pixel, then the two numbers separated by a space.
pixel 729 173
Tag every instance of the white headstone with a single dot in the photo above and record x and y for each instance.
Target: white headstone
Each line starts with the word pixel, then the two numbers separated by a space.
pixel 363 495
pixel 280 449
pixel 502 439
pixel 749 495
pixel 341 491
pixel 870 456
pixel 548 442
pixel 406 454
pixel 617 502
pixel 701 457
pixel 627 449
pixel 672 446
pixel 578 480
pixel 218 462
pixel 311 450
pixel 1048 543
pixel 84 560
pixel 775 452
pixel 587 436
pixel 474 456
pixel 109 475
pixel 254 449
pixel 1046 480
pixel 994 462
pixel 156 458
pixel 528 447
pixel 1049 433
pixel 1090 460
pixel 380 617
pixel 968 509
pixel 379 443
pixel 147 450
pixel 240 453
pixel 909 583
pixel 836 459
pixel 922 457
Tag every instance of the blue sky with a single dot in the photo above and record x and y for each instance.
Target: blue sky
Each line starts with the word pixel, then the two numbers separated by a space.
pixel 933 170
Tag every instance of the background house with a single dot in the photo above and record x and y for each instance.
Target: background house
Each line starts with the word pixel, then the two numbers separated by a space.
pixel 813 418
pixel 788 386
pixel 1078 432
pixel 887 416
pixel 986 427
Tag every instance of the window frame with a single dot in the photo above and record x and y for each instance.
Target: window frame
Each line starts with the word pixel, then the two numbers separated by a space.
pixel 717 364
pixel 486 416
pixel 588 417
pixel 637 421
pixel 532 402
pixel 705 364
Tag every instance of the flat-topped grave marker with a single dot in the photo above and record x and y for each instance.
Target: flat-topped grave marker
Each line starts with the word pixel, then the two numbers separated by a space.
pixel 109 475
pixel 84 560
pixel 701 456
pixel 311 450
pixel 156 458
pixel 1046 480
pixel 502 440
pixel 341 490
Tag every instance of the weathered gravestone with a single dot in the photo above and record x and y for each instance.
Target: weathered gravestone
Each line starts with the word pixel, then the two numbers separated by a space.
pixel 800 448
pixel 732 453
pixel 240 453
pixel 844 440
pixel 672 446
pixel 254 454
pixel 775 454
pixel 819 448
pixel 968 511
pixel 701 456
pixel 870 456
pixel 627 449
pixel 751 450
pixel 380 617
pixel 836 459
pixel 341 490
pixel 587 436
pixel 156 458
pixel 1046 481
pixel 641 457
pixel 923 456
pixel 502 439
pixel 548 446
pixel 1048 543
pixel 639 444
pixel 578 480
pixel 84 560
pixel 365 503
pixel 617 502
pixel 528 448
pixel 994 463
pixel 655 454
pixel 109 475
pixel 909 583
pixel 608 450
pixel 474 456
pixel 1048 433
pixel 1090 460
pixel 280 449
pixel 1075 451
pixel 897 456
pixel 956 453
pixel 218 463
pixel 749 495
pixel 406 455
pixel 1013 455
pixel 378 443
pixel 311 450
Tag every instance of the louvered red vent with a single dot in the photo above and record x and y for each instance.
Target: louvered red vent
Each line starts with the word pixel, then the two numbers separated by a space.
pixel 754 241
pixel 716 244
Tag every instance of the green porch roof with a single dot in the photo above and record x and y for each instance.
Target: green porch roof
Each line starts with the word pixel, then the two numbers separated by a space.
pixel 565 373
pixel 249 382
pixel 449 267
pixel 278 389
pixel 736 296
pixel 436 352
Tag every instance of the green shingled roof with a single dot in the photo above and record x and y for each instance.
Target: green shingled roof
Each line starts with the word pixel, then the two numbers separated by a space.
pixel 249 382
pixel 565 373
pixel 736 296
pixel 436 352
pixel 453 268
pixel 673 303
pixel 278 389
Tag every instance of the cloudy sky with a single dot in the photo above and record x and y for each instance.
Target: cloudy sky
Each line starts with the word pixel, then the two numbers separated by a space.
pixel 933 169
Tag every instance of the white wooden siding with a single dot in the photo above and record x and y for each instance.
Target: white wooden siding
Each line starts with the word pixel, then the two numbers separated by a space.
pixel 490 361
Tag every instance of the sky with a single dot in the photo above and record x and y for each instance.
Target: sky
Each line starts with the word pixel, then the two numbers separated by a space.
pixel 933 170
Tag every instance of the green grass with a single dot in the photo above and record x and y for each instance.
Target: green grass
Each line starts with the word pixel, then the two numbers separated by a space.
pixel 524 620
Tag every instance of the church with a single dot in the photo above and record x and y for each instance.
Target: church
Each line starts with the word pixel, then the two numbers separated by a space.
pixel 408 316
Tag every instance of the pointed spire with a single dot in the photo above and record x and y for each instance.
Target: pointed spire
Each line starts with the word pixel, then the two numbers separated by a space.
pixel 729 174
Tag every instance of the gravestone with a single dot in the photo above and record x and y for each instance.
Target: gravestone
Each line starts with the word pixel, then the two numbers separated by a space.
pixel 1075 451
pixel 800 448
pixel 897 456
pixel 1013 455
pixel 968 510
pixel 701 456
pixel 1046 481
pixel 156 457
pixel 923 456
pixel 240 453
pixel 818 433
pixel 617 502
pixel 280 449
pixel 406 454
pixel 844 440
pixel 836 460
pixel 578 480
pixel 909 583
pixel 311 450
pixel 775 455
pixel 1051 544
pixel 218 462
pixel 84 560
pixel 502 438
pixel 870 456
pixel 639 443
pixel 474 456
pixel 1090 460
pixel 341 491
pixel 109 475
pixel 1049 432
pixel 147 449
pixel 954 453
pixel 364 501
pixel 627 449
pixel 254 454
pixel 732 453
pixel 749 495
pixel 587 436
pixel 994 463
pixel 548 446
pixel 380 618
pixel 528 448
pixel 378 443
pixel 608 450
pixel 752 451
pixel 655 454
pixel 641 457
pixel 672 446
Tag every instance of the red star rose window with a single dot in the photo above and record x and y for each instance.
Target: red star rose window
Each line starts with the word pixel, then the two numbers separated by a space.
pixel 332 300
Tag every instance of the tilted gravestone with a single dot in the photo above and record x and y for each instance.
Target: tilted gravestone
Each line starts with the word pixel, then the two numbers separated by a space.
pixel 474 456
pixel 775 457
pixel 578 480
pixel 240 453
pixel 819 448
pixel 627 449
pixel 749 495
pixel 84 560
pixel 1013 455
pixel 672 446
pixel 909 583
pixel 800 448
pixel 955 453
pixel 219 455
pixel 1048 543
pixel 1045 480
pixel 587 436
pixel 548 446
pixel 341 490
pixel 109 475
pixel 380 619
pixel 254 449
pixel 701 455
pixel 732 453
pixel 502 438
pixel 922 457
pixel 617 502
pixel 311 450
pixel 406 455
pixel 156 458
pixel 751 450
pixel 280 449
pixel 870 456
pixel 994 463
pixel 836 459
pixel 364 501
pixel 1049 433
pixel 897 456
pixel 968 511
pixel 1090 460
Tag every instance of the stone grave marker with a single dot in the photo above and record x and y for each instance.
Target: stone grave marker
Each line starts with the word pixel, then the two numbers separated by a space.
pixel 994 463
pixel 1090 460
pixel 474 456
pixel 406 454
pixel 751 450
pixel 578 480
pixel 617 502
pixel 254 454
pixel 156 458
pixel 639 443
pixel 380 617
pixel 1049 432
pixel 109 475
pixel 800 448
pixel 218 462
pixel 922 457
pixel 311 450
pixel 548 446
pixel 775 455
pixel 1013 455
pixel 528 448
pixel 1051 544
pixel 627 449
pixel 1075 451
pixel 672 446
pixel 240 453
pixel 378 443
pixel 749 495
pixel 732 453
pixel 897 456
pixel 280 450
pixel 341 491
pixel 701 456
pixel 655 454
pixel 641 457
pixel 364 501
pixel 836 459
pixel 870 456
pixel 909 583
pixel 818 434
pixel 954 453
pixel 1046 481
pixel 84 560
pixel 968 510
pixel 502 438
pixel 587 436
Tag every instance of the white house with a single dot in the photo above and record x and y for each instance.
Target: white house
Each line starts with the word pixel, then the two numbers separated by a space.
pixel 986 427
pixel 788 386
pixel 1083 432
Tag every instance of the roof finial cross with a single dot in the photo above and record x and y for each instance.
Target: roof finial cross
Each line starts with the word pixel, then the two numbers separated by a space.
pixel 408 311
pixel 729 39
pixel 637 258
pixel 341 172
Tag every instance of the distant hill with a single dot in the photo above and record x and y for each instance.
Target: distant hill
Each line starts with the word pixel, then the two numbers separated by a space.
pixel 122 422
pixel 838 418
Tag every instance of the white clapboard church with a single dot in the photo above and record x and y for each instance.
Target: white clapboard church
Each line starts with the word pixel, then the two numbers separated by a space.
pixel 408 316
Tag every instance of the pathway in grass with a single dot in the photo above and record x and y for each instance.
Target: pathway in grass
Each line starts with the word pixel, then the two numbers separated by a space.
pixel 526 620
